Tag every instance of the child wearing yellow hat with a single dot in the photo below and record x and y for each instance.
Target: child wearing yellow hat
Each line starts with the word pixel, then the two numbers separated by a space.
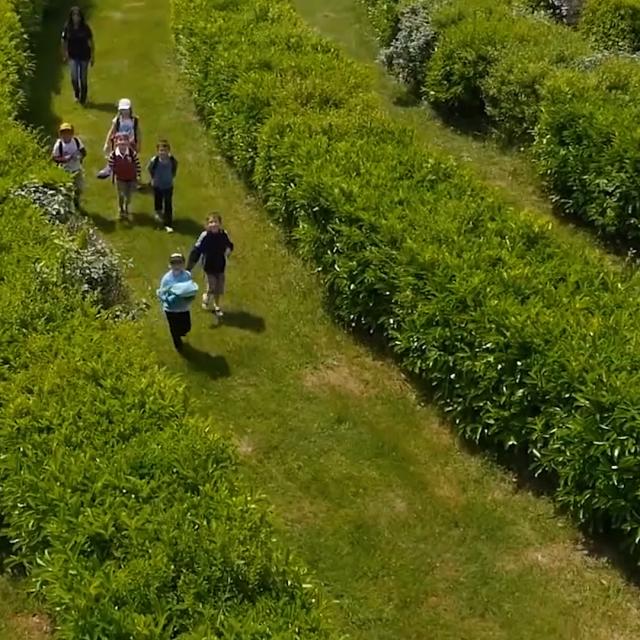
pixel 69 153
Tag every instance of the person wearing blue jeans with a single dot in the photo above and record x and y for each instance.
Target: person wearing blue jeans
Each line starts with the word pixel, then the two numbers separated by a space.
pixel 78 52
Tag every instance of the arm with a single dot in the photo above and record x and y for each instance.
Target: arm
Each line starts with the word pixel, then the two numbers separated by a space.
pixel 139 139
pixel 112 161
pixel 110 134
pixel 175 167
pixel 63 46
pixel 230 246
pixel 196 252
pixel 150 168
pixel 136 160
pixel 82 152
pixel 91 45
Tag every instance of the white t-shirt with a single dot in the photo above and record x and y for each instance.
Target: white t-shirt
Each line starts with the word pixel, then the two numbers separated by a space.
pixel 72 149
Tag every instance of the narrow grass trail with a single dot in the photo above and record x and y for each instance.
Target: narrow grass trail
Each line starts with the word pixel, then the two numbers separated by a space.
pixel 412 537
pixel 509 170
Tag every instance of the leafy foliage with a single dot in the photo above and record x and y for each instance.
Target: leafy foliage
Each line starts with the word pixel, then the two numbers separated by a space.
pixel 526 343
pixel 612 24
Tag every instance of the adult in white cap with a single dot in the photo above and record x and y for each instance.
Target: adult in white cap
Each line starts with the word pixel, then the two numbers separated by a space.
pixel 124 123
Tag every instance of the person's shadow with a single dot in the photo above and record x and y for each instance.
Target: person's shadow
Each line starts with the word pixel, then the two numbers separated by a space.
pixel 214 366
pixel 243 320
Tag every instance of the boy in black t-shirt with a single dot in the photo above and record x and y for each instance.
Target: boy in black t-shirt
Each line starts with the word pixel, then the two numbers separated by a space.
pixel 215 246
pixel 78 51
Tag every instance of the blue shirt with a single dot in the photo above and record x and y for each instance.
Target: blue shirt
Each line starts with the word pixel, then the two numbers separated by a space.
pixel 177 304
pixel 164 171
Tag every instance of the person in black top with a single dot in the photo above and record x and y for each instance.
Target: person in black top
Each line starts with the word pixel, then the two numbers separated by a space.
pixel 215 246
pixel 78 51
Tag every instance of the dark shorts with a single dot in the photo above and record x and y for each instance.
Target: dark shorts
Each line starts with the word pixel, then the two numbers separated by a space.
pixel 215 283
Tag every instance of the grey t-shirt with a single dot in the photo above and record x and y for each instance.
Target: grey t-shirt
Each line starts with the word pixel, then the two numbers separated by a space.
pixel 164 172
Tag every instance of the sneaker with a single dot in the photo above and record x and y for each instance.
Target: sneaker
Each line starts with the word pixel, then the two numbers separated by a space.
pixel 168 229
pixel 218 311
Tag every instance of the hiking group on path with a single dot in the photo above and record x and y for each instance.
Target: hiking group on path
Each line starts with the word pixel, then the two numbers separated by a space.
pixel 122 147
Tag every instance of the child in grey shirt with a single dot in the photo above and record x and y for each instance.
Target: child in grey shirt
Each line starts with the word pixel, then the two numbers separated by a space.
pixel 162 169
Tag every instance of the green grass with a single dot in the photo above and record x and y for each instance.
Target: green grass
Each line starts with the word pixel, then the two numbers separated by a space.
pixel 412 537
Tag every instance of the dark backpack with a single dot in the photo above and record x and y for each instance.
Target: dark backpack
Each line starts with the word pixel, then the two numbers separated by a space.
pixel 156 159
pixel 59 146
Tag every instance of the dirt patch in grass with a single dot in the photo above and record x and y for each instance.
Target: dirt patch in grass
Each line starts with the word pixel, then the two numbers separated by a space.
pixel 337 375
pixel 34 626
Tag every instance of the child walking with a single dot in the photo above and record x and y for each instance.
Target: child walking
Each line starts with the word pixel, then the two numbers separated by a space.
pixel 124 166
pixel 162 169
pixel 125 123
pixel 215 246
pixel 69 153
pixel 177 291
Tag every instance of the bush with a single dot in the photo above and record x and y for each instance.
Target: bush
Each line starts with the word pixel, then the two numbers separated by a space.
pixel 562 10
pixel 612 24
pixel 383 15
pixel 527 343
pixel 587 145
pixel 412 46
pixel 492 61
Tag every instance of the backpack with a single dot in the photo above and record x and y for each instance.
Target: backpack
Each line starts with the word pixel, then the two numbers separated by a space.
pixel 135 126
pixel 156 159
pixel 59 146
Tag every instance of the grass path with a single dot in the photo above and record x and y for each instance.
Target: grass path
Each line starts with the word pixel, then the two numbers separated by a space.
pixel 412 537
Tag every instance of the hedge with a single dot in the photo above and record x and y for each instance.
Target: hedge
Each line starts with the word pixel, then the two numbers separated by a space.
pixel 126 513
pixel 536 82
pixel 612 24
pixel 527 344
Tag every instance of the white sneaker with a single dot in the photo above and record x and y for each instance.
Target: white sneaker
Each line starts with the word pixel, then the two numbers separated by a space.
pixel 218 311
pixel 169 229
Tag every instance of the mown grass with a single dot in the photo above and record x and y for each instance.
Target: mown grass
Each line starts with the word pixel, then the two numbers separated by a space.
pixel 412 536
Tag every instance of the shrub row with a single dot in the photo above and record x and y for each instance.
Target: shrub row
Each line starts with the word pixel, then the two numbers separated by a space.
pixel 527 344
pixel 536 81
pixel 126 514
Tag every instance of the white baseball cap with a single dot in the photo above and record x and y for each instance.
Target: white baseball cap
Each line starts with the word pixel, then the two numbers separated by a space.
pixel 124 103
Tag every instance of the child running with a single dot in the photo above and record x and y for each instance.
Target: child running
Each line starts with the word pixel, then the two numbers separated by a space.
pixel 124 166
pixel 177 291
pixel 215 246
pixel 69 153
pixel 162 169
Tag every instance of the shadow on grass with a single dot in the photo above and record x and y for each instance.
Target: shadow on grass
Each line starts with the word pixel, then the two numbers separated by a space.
pixel 608 545
pixel 214 366
pixel 243 320
pixel 50 77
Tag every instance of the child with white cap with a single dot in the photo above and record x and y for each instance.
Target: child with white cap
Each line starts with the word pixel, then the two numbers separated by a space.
pixel 124 123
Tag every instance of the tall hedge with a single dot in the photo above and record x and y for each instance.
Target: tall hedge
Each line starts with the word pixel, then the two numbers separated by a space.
pixel 127 514
pixel 526 343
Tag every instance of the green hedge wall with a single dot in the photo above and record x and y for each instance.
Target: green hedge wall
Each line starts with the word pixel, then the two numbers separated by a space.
pixel 126 513
pixel 612 24
pixel 538 82
pixel 526 343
